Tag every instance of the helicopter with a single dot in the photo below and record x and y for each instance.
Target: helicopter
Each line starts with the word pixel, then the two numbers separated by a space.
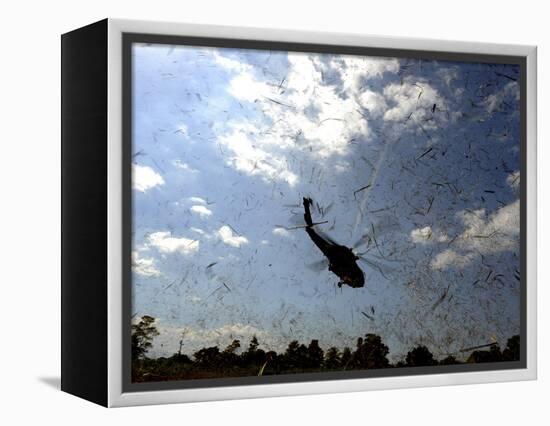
pixel 342 260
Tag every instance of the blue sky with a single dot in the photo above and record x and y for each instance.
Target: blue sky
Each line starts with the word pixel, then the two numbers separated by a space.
pixel 226 142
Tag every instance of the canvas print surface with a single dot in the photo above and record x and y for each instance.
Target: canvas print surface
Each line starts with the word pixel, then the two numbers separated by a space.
pixel 307 213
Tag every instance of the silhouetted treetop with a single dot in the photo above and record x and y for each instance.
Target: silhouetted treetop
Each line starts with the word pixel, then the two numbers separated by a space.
pixel 142 335
pixel 370 353
pixel 449 360
pixel 512 350
pixel 332 358
pixel 315 355
pixel 420 356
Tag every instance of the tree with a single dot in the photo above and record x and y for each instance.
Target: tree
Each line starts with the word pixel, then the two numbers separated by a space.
pixel 208 357
pixel 332 359
pixel 512 350
pixel 345 358
pixel 253 346
pixel 143 334
pixel 295 356
pixel 179 358
pixel 420 356
pixel 370 353
pixel 449 360
pixel 233 346
pixel 208 362
pixel 253 355
pixel 271 362
pixel 229 356
pixel 314 355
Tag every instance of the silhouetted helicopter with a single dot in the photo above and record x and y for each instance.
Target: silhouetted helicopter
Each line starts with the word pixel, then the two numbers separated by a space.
pixel 342 260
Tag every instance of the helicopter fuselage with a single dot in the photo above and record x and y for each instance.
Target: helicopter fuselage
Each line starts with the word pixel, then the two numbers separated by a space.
pixel 342 260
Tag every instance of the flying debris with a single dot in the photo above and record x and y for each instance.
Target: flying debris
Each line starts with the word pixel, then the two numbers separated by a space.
pixel 478 347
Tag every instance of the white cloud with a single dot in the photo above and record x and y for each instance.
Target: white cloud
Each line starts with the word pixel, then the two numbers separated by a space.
pixel 145 178
pixel 421 235
pixel 231 64
pixel 306 115
pixel 304 75
pixel 513 180
pixel 245 87
pixel 495 100
pixel 373 102
pixel 165 243
pixel 448 75
pixel 354 70
pixel 167 343
pixel 483 234
pixel 250 158
pixel 182 129
pixel 196 200
pixel 232 331
pixel 184 166
pixel 282 233
pixel 496 233
pixel 144 266
pixel 201 210
pixel 416 98
pixel 228 237
pixel 336 121
pixel 450 258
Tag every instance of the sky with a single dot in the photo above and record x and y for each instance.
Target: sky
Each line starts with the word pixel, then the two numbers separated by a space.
pixel 414 163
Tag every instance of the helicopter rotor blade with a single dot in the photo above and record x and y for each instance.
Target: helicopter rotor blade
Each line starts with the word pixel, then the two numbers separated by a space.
pixel 384 270
pixel 364 239
pixel 381 259
pixel 375 266
pixel 318 266
pixel 327 209
pixel 300 226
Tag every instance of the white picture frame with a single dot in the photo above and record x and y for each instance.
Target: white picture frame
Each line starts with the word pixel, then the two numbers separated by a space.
pixel 116 394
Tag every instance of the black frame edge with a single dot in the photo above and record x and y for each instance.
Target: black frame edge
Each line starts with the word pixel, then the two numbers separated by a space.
pixel 84 212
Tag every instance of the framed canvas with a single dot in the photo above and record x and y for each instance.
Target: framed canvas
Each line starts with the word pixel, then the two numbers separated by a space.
pixel 251 212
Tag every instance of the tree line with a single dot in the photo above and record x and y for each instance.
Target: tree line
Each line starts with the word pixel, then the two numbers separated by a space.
pixel 235 361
